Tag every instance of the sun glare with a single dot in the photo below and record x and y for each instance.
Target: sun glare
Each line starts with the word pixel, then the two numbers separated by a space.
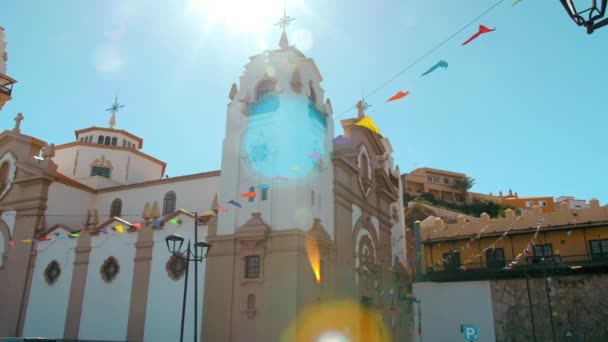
pixel 237 16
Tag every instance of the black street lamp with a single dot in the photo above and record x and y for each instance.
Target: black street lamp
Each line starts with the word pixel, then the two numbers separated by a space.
pixel 201 250
pixel 592 17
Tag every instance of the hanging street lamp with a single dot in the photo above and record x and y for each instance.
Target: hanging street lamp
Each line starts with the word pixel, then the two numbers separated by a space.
pixel 592 17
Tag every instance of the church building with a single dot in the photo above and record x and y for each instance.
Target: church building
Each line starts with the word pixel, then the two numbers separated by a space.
pixel 299 223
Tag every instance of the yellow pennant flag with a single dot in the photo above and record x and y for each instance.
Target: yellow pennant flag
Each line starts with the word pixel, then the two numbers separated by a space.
pixel 368 123
pixel 119 229
pixel 26 241
pixel 209 213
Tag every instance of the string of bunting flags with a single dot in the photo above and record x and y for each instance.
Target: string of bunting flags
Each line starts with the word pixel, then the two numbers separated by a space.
pixel 441 64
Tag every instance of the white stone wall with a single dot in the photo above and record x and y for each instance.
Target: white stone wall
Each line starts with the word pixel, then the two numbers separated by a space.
pixel 127 167
pixel 163 312
pixel 450 305
pixel 67 206
pixel 105 311
pixel 192 195
pixel 48 304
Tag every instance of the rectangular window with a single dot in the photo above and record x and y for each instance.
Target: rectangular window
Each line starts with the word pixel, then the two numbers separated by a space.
pixel 599 247
pixel 529 204
pixel 542 203
pixel 495 258
pixel 252 267
pixel 451 260
pixel 100 171
pixel 446 180
pixel 312 198
pixel 545 250
pixel 264 194
pixel 432 179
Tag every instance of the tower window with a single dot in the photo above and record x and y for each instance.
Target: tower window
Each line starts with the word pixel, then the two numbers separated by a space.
pixel 116 207
pixel 264 88
pixel 264 194
pixel 100 139
pixel 114 141
pixel 100 171
pixel 169 203
pixel 252 267
pixel 251 189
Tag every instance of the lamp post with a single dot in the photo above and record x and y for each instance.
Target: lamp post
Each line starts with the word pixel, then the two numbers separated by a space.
pixel 592 17
pixel 201 249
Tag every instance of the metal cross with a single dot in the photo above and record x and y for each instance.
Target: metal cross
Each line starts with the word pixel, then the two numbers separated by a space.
pixel 284 22
pixel 115 106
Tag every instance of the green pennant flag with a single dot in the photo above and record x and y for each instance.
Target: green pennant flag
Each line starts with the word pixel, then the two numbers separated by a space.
pixel 75 234
pixel 175 221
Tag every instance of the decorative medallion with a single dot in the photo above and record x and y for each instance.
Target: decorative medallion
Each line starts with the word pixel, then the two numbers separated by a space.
pixel 109 269
pixel 52 272
pixel 8 169
pixel 176 266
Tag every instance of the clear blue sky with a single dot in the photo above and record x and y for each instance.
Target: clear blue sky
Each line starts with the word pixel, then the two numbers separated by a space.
pixel 522 107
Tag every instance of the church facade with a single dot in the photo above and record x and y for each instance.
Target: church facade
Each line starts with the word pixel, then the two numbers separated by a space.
pixel 298 222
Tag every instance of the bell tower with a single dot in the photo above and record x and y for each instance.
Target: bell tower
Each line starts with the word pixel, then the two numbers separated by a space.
pixel 278 142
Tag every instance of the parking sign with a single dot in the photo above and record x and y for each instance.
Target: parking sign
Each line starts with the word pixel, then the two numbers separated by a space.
pixel 470 332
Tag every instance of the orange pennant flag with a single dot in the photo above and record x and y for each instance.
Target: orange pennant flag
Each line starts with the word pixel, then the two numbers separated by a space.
pixel 398 96
pixel 249 194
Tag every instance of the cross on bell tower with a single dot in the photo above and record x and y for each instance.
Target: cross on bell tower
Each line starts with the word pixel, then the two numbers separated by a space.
pixel 113 109
pixel 283 23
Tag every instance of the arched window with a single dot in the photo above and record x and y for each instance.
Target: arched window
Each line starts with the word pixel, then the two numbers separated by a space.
pixel 90 138
pixel 107 141
pixel 116 208
pixel 81 139
pixel 124 143
pixel 365 172
pixel 169 203
pixel 129 144
pixel 100 139
pixel 264 88
pixel 252 198
pixel 114 141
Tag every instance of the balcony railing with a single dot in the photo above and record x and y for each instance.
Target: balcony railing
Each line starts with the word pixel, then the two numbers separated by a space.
pixel 532 266
pixel 5 90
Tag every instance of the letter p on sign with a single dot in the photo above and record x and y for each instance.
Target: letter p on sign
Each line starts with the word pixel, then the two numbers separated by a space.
pixel 470 332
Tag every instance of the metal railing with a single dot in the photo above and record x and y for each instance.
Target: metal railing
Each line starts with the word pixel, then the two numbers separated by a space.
pixel 533 266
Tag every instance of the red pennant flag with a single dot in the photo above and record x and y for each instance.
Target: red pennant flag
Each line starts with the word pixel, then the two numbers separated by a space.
pixel 398 96
pixel 11 243
pixel 137 225
pixel 44 238
pixel 482 30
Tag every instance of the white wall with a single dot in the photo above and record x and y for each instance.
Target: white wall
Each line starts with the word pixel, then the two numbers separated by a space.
pixel 163 312
pixel 67 206
pixel 105 312
pixel 139 168
pixel 447 306
pixel 48 304
pixel 192 195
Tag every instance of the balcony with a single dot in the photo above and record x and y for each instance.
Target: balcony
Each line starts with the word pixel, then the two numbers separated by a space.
pixel 532 267
pixel 6 85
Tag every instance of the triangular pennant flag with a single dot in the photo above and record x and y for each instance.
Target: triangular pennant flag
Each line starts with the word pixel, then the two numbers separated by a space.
pixel 137 225
pixel 368 123
pixel 209 213
pixel 75 235
pixel 175 221
pixel 235 203
pixel 248 194
pixel 119 229
pixel 61 236
pixel 263 186
pixel 220 208
pixel 26 241
pixel 44 238
pixel 398 96
pixel 157 224
pixel 11 243
pixel 104 231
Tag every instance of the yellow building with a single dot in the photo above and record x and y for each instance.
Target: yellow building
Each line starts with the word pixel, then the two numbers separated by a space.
pixel 547 204
pixel 437 182
pixel 571 240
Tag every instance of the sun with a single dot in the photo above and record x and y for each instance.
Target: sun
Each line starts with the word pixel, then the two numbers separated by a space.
pixel 237 16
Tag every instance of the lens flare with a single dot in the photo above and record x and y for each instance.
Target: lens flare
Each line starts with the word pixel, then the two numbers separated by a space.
pixel 312 250
pixel 336 322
